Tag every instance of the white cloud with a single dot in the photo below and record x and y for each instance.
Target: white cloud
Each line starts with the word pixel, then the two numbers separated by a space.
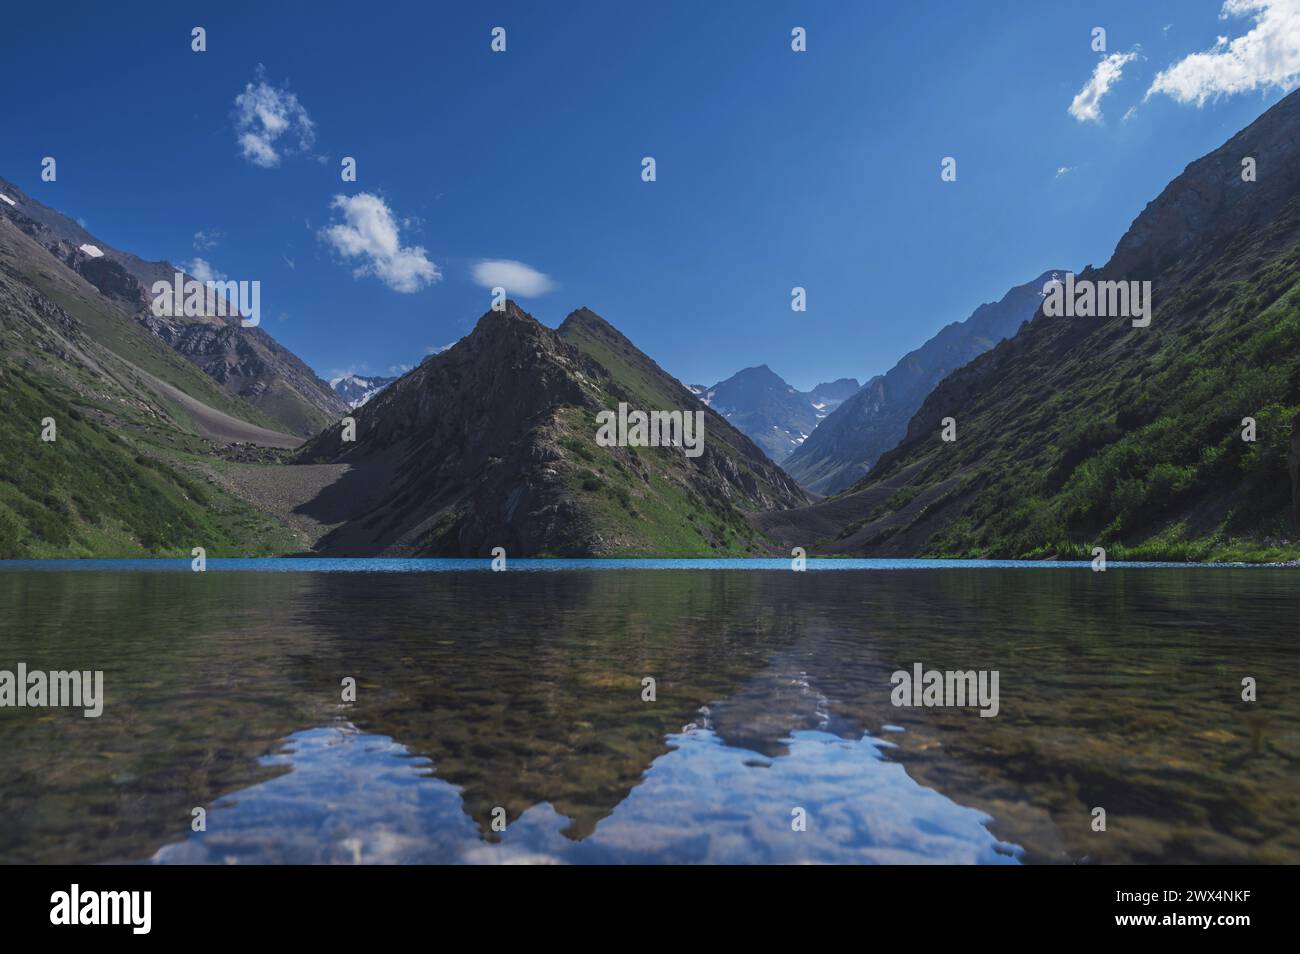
pixel 370 233
pixel 202 270
pixel 516 278
pixel 398 369
pixel 1086 106
pixel 264 116
pixel 1064 171
pixel 1267 55
pixel 205 239
pixel 439 349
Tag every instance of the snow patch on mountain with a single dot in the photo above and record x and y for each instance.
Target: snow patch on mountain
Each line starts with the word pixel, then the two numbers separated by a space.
pixel 703 393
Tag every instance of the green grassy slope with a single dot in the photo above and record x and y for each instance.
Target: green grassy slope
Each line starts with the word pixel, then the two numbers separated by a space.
pixel 125 475
pixel 640 502
pixel 1097 433
pixel 643 384
pixel 106 491
pixel 1155 469
pixel 653 506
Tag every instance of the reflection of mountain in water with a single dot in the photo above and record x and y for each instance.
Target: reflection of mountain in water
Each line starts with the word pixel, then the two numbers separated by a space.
pixel 523 690
pixel 365 799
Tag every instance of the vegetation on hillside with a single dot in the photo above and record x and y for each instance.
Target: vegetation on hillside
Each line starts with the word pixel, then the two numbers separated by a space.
pixel 102 491
pixel 1132 439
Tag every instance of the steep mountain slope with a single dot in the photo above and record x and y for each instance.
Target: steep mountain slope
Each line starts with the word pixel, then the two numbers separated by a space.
pixel 122 474
pixel 874 419
pixel 493 443
pixel 1086 431
pixel 246 362
pixel 357 390
pixel 104 322
pixel 774 415
pixel 737 460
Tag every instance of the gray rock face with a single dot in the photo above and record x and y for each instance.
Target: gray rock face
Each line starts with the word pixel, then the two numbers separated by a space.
pixel 1210 200
pixel 246 361
pixel 111 278
pixel 491 443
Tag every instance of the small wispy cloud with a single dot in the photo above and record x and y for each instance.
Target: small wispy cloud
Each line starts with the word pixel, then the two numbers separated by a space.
pixel 1064 171
pixel 519 280
pixel 270 122
pixel 369 232
pixel 1086 105
pixel 1268 55
pixel 207 239
pixel 439 349
pixel 398 369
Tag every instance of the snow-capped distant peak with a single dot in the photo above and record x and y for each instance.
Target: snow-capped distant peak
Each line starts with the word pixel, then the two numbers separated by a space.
pixel 351 379
pixel 5 198
pixel 357 390
pixel 93 251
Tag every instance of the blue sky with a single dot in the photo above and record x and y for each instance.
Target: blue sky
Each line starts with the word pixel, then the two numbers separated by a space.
pixel 774 168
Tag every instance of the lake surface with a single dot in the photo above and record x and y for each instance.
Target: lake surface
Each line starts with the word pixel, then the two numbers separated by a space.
pixel 515 698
